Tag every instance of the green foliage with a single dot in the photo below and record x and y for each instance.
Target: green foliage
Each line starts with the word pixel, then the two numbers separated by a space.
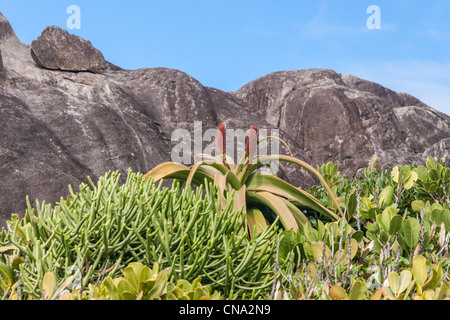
pixel 254 189
pixel 391 244
pixel 392 224
pixel 183 290
pixel 138 282
pixel 102 227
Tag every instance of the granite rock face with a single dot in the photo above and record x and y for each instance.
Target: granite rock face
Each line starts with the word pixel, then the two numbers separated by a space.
pixel 56 49
pixel 66 113
pixel 347 120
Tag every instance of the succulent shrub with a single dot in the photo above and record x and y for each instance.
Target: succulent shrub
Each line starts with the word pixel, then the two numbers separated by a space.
pixel 93 233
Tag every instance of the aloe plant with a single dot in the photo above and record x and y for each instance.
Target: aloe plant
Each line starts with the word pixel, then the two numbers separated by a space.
pixel 252 188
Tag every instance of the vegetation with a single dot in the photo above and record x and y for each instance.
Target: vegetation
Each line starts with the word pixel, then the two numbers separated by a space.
pixel 249 187
pixel 239 234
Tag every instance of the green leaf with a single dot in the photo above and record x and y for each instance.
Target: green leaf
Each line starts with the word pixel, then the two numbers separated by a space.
pixel 417 205
pixel 431 164
pixel 145 274
pixel 384 220
pixel 419 270
pixel 372 227
pixel 321 230
pixel 48 285
pixel 357 291
pixel 311 234
pixel 387 291
pixel 444 292
pixel 287 243
pixel 411 232
pixel 433 175
pixel 6 249
pixel 338 293
pixel 445 215
pixel 131 276
pixel 386 197
pixel 395 174
pixel 6 274
pixel 358 235
pixel 394 283
pixel 317 251
pixel 108 283
pixel 372 213
pixel 422 173
pixel 436 215
pixel 123 286
pixel 435 278
pixel 410 179
pixel 395 225
pixel 405 176
pixel 127 296
pixel 405 280
pixel 351 206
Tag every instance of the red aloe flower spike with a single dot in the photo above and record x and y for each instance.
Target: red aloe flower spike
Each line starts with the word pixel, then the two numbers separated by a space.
pixel 252 142
pixel 220 141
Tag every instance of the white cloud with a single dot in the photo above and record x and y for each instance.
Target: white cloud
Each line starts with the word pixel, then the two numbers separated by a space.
pixel 321 26
pixel 426 80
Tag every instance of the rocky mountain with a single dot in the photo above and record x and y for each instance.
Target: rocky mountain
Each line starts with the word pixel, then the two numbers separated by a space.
pixel 66 113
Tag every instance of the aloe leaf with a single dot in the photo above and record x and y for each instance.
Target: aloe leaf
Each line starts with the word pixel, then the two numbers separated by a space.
pixel 299 216
pixel 277 205
pixel 307 167
pixel 273 184
pixel 231 178
pixel 256 222
pixel 171 170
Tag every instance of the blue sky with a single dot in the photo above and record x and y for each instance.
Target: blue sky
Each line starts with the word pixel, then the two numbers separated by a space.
pixel 226 44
